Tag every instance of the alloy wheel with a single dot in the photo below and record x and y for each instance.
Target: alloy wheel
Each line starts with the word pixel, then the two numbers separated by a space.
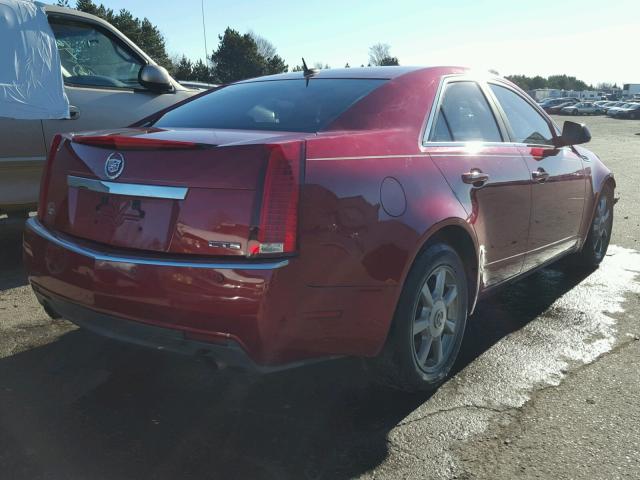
pixel 601 227
pixel 436 319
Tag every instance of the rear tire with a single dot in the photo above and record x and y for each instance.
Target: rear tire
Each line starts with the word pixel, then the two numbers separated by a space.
pixel 428 325
pixel 595 247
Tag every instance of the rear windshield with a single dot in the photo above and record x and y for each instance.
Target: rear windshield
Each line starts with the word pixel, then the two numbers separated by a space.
pixel 280 105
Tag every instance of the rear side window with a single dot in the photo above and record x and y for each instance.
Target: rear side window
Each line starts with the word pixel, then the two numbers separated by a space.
pixel 527 125
pixel 279 105
pixel 464 116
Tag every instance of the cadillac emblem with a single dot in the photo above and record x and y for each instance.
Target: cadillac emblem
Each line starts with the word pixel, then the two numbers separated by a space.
pixel 114 165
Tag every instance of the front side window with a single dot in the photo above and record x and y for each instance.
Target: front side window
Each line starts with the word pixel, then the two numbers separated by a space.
pixel 464 115
pixel 527 124
pixel 278 105
pixel 91 57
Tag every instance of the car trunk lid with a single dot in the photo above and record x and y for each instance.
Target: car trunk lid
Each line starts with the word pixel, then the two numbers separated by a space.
pixel 182 191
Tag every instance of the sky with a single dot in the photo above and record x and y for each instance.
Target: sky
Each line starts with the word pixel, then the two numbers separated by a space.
pixel 596 41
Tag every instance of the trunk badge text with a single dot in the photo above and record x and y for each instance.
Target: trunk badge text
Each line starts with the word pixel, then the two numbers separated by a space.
pixel 228 245
pixel 114 165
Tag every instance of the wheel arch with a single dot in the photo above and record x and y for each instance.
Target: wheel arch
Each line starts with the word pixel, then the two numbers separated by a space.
pixel 458 234
pixel 598 186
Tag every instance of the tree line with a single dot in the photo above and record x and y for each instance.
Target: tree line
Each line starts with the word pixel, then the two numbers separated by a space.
pixel 238 56
pixel 560 82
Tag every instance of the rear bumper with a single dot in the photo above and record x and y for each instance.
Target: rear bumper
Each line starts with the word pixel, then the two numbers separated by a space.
pixel 177 304
pixel 263 311
pixel 226 353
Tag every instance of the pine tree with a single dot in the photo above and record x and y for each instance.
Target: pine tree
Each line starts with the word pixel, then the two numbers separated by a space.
pixel 141 32
pixel 238 57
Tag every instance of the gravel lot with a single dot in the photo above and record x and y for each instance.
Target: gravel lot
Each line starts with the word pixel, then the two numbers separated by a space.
pixel 547 387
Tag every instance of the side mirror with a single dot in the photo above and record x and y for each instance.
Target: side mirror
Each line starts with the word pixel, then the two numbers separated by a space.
pixel 155 78
pixel 573 134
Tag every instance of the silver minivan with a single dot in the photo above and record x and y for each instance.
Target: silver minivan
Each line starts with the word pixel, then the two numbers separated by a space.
pixel 110 82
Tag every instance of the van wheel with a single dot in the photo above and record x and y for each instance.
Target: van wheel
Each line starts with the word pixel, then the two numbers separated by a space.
pixel 428 325
pixel 597 243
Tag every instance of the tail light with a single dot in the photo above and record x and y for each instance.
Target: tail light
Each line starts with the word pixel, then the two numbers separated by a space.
pixel 46 176
pixel 278 226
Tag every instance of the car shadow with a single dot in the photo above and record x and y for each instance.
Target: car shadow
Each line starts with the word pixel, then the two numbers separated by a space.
pixel 86 407
pixel 11 272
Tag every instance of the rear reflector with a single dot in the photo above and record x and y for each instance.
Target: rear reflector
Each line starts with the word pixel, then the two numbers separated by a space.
pixel 46 176
pixel 132 143
pixel 278 228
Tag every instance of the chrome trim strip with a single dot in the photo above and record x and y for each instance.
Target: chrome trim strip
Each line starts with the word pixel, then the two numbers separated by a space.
pixel 34 225
pixel 369 157
pixel 563 240
pixel 129 189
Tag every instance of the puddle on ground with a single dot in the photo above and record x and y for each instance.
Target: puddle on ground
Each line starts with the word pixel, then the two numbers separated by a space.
pixel 574 329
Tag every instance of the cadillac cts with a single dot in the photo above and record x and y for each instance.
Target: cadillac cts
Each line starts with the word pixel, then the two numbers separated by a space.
pixel 302 216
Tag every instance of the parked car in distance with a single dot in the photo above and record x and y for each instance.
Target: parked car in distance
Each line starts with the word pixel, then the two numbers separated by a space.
pixel 296 217
pixel 581 108
pixel 613 111
pixel 110 82
pixel 610 105
pixel 193 85
pixel 630 111
pixel 557 101
pixel 558 108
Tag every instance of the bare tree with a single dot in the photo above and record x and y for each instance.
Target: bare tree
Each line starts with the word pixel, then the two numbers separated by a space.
pixel 380 54
pixel 265 47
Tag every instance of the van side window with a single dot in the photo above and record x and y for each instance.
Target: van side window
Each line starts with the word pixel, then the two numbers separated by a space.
pixel 91 57
pixel 464 116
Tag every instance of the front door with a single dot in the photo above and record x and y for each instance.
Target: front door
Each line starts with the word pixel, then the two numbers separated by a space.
pixel 101 79
pixel 557 177
pixel 488 176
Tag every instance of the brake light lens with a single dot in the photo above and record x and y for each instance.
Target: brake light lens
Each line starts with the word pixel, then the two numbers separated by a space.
pixel 278 227
pixel 133 143
pixel 46 176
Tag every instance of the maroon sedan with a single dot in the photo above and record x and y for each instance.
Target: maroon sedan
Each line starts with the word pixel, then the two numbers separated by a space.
pixel 291 218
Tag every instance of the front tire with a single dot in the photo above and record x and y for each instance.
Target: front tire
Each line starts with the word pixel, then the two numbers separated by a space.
pixel 597 243
pixel 428 325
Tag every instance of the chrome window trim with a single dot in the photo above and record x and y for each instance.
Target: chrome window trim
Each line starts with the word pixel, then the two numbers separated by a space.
pixel 129 189
pixel 437 100
pixel 426 133
pixel 35 226
pixel 555 129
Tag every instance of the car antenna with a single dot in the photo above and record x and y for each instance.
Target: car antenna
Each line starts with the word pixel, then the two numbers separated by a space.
pixel 308 72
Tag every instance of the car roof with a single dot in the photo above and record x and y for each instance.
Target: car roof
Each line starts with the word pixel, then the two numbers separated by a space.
pixel 72 11
pixel 382 73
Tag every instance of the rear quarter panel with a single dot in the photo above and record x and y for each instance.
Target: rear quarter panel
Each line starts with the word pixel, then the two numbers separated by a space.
pixel 364 218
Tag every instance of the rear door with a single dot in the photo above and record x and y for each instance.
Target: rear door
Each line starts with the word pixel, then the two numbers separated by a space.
pixel 488 176
pixel 557 177
pixel 101 79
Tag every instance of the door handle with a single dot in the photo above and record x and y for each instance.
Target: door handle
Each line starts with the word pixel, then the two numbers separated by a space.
pixel 540 175
pixel 74 113
pixel 475 177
